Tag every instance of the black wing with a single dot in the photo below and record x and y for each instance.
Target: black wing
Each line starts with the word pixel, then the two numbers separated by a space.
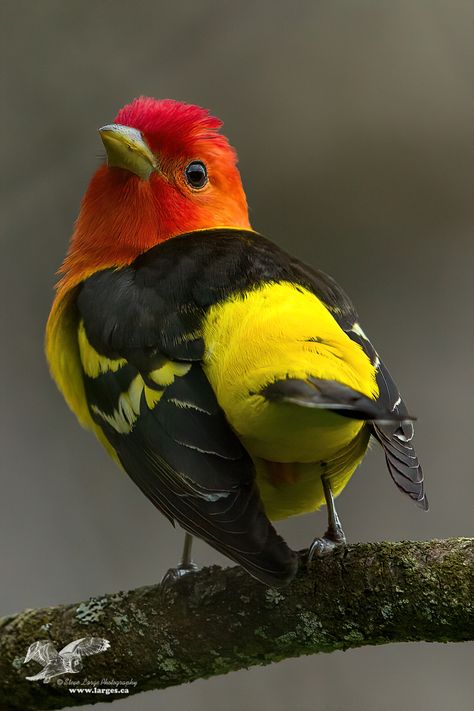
pixel 159 412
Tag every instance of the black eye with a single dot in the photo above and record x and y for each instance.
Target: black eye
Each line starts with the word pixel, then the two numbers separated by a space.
pixel 196 174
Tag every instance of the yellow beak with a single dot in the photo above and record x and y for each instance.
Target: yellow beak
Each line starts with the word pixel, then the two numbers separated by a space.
pixel 126 149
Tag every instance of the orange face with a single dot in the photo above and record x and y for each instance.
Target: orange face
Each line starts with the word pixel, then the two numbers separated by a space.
pixel 168 172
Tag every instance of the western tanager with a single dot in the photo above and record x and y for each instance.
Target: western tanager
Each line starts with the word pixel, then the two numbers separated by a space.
pixel 232 382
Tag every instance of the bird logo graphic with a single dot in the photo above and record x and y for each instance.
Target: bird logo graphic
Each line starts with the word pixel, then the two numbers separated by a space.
pixel 68 660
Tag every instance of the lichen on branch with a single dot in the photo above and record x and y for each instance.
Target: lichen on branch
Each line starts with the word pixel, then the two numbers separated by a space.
pixel 220 620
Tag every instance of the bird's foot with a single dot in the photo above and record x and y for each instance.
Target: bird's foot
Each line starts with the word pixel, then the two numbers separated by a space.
pixel 325 545
pixel 174 574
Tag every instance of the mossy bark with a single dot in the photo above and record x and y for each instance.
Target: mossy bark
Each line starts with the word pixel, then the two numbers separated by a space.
pixel 220 620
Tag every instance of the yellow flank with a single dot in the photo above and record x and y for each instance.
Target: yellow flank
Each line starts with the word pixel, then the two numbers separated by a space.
pixel 62 352
pixel 93 363
pixel 273 332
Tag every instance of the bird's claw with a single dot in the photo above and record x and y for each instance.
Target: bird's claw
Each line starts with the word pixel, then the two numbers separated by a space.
pixel 325 545
pixel 174 574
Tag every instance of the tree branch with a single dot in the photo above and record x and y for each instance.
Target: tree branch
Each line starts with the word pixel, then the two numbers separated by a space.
pixel 220 620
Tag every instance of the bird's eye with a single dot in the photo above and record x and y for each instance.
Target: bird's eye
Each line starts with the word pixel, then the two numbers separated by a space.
pixel 196 174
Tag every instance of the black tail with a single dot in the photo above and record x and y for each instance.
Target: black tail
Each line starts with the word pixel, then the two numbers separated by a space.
pixel 331 395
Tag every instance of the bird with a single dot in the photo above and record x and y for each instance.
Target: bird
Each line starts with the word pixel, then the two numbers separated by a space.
pixel 232 382
pixel 68 660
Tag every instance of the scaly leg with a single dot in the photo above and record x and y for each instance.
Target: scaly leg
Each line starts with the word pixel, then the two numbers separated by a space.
pixel 186 566
pixel 334 535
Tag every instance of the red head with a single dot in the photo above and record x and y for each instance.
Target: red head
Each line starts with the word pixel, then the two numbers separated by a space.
pixel 168 171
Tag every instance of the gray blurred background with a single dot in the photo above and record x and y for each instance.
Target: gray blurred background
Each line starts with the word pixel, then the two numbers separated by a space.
pixel 353 122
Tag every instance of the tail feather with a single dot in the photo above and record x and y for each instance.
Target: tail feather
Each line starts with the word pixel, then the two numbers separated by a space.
pixel 333 396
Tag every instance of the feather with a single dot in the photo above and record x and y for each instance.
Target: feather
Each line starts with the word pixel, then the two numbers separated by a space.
pixel 177 444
